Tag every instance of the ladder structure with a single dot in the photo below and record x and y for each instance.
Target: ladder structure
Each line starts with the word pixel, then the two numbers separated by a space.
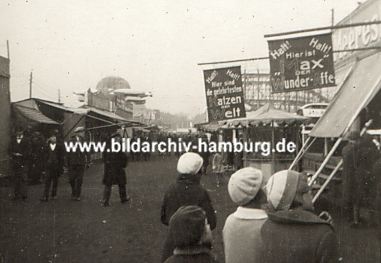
pixel 318 173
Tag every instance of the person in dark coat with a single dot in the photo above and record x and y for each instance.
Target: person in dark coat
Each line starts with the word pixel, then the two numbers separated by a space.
pixel 54 157
pixel 204 154
pixel 147 139
pixel 191 236
pixel 293 233
pixel 238 157
pixel 77 162
pixel 368 155
pixel 350 182
pixel 359 188
pixel 376 171
pixel 36 165
pixel 114 165
pixel 186 191
pixel 19 151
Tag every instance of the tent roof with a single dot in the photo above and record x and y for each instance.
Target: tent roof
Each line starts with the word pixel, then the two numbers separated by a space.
pixel 106 114
pixel 360 87
pixel 30 111
pixel 267 113
pixel 62 107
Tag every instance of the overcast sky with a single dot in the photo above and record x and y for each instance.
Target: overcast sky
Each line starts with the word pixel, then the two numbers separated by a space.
pixel 155 45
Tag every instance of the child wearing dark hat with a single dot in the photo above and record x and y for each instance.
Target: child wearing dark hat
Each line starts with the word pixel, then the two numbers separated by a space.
pixel 191 235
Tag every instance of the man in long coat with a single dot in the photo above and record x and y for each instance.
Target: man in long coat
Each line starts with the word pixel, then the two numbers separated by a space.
pixel 114 165
pixel 53 156
pixel 350 182
pixel 19 151
pixel 359 156
pixel 77 162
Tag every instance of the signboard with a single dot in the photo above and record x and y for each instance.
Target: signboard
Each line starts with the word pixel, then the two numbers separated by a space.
pixel 359 36
pixel 224 93
pixel 302 63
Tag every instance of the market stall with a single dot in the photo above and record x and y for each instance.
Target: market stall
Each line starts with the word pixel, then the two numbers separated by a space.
pixel 264 129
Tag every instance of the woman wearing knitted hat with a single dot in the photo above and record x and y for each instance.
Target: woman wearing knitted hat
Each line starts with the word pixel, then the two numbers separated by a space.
pixel 186 191
pixel 293 233
pixel 242 230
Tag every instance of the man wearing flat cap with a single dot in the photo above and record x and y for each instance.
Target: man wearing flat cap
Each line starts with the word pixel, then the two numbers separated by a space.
pixel 77 162
pixel 186 191
pixel 293 233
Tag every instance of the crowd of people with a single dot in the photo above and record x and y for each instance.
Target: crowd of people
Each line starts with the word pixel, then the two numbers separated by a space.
pixel 278 209
pixel 274 220
pixel 48 162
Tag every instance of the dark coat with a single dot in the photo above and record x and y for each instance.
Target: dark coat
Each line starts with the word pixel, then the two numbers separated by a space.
pixel 368 155
pixel 350 165
pixel 186 191
pixel 114 164
pixel 190 255
pixel 298 236
pixel 19 152
pixel 358 180
pixel 76 158
pixel 54 159
pixel 376 171
pixel 37 148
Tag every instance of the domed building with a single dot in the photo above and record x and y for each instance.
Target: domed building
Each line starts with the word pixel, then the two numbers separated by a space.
pixel 111 83
pixel 114 94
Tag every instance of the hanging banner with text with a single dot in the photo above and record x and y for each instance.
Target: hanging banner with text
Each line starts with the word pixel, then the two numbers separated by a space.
pixel 224 93
pixel 302 63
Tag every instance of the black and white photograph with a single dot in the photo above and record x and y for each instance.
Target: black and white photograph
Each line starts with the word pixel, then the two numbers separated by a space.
pixel 190 131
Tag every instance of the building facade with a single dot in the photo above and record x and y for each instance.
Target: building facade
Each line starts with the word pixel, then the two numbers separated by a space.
pixel 114 94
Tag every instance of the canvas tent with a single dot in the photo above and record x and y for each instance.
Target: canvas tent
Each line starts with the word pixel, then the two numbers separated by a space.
pixel 360 86
pixel 28 112
pixel 357 90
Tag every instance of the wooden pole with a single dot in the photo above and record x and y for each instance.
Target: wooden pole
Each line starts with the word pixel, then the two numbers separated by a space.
pixel 264 58
pixel 301 152
pixel 30 84
pixel 232 61
pixel 272 146
pixel 8 50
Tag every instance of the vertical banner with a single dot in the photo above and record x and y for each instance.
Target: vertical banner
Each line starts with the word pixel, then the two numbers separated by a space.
pixel 302 63
pixel 224 93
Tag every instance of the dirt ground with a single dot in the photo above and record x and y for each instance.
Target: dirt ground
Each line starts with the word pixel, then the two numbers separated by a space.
pixel 67 231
